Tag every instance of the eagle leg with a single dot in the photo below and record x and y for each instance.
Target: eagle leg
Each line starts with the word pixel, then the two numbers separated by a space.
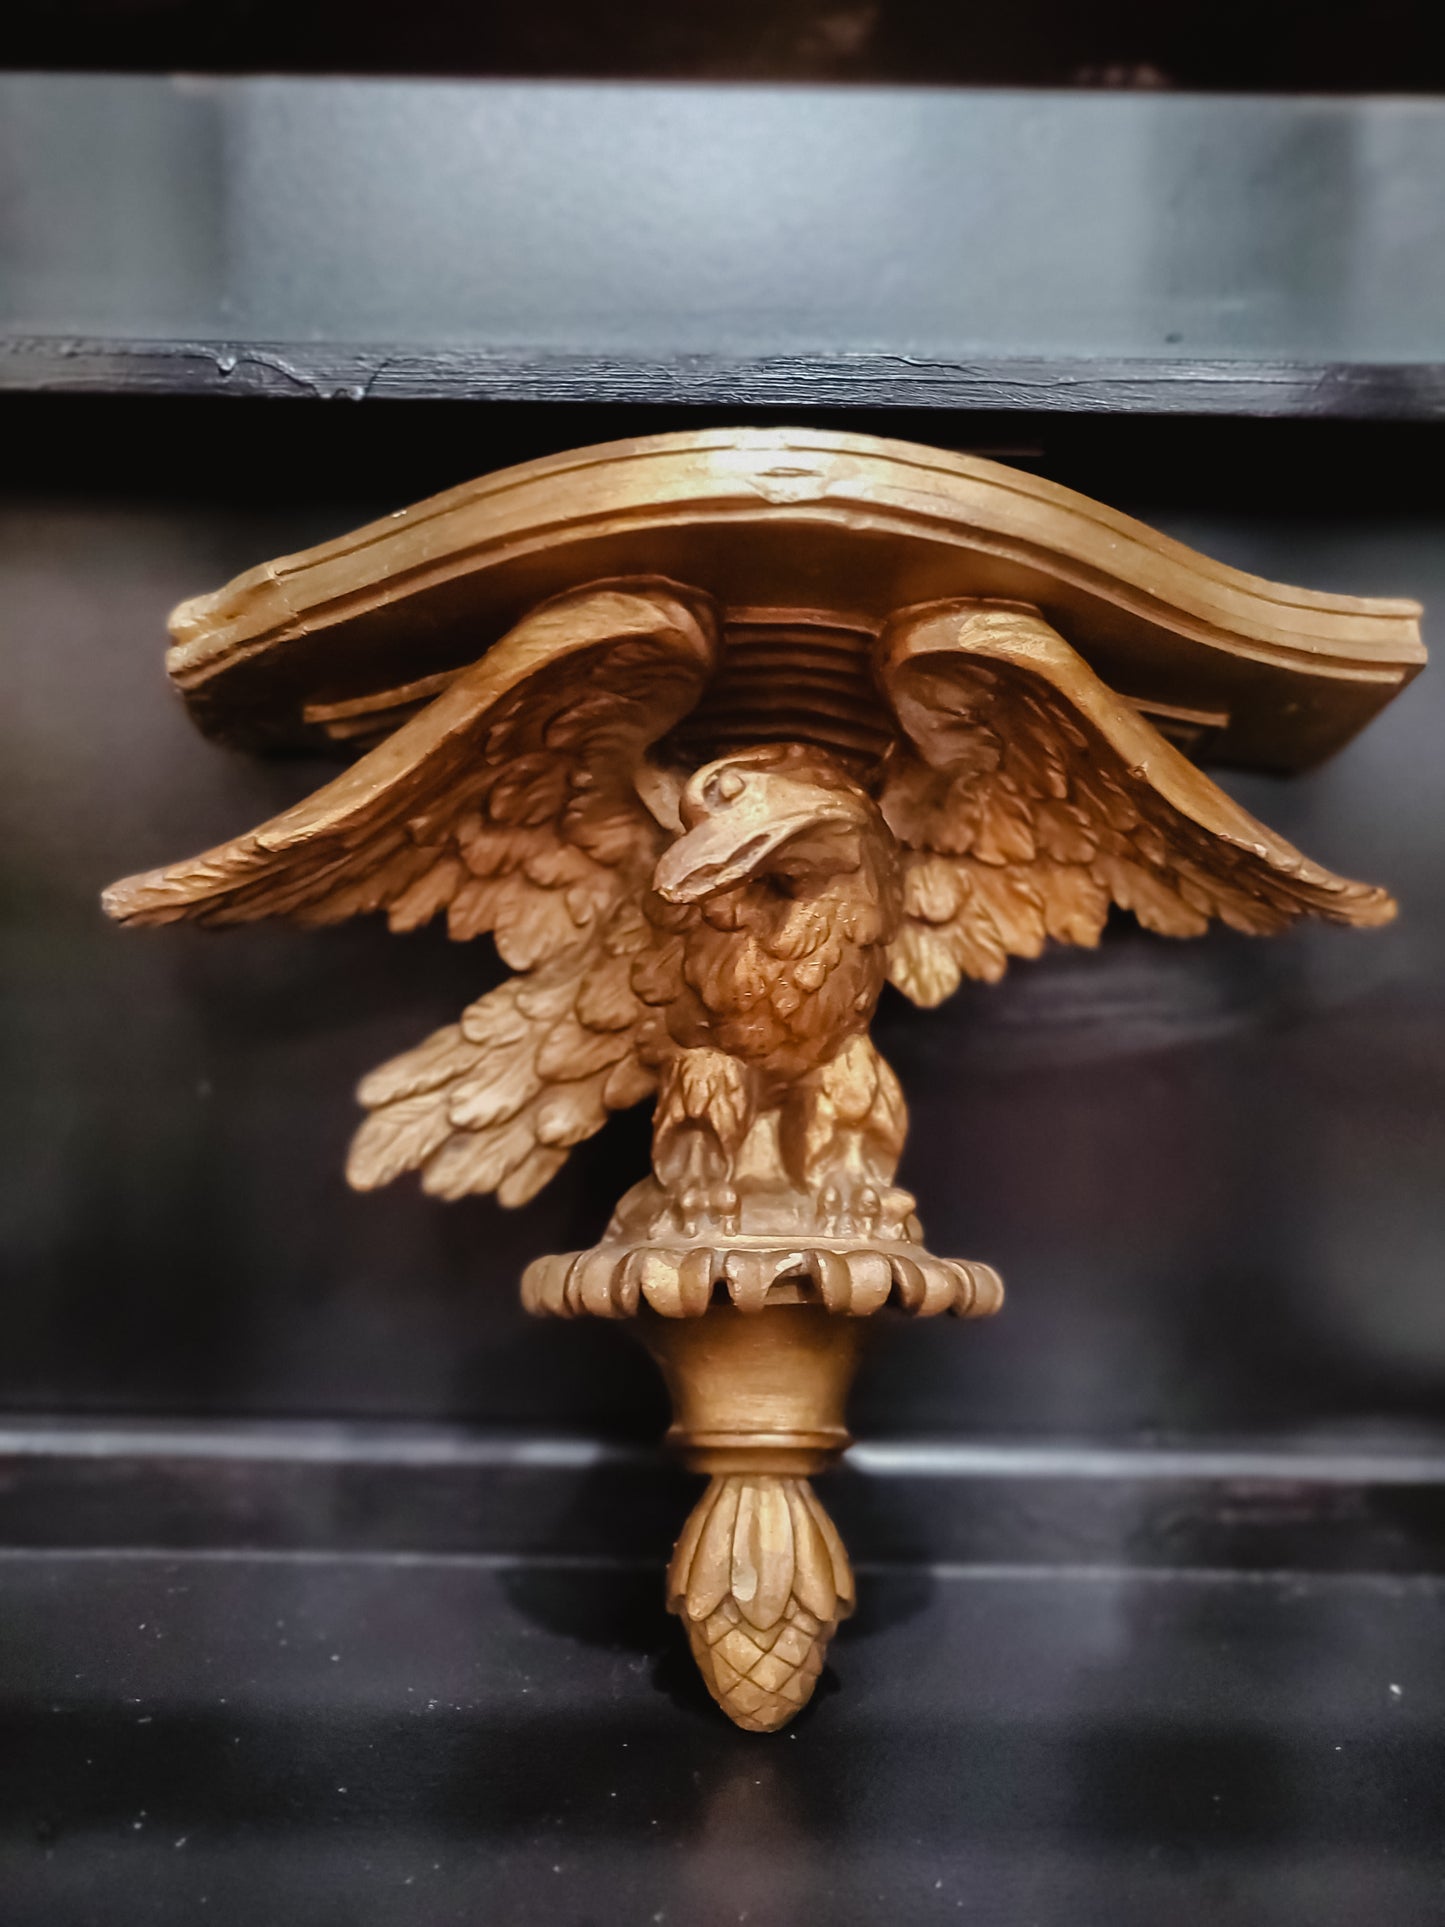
pixel 706 1105
pixel 841 1134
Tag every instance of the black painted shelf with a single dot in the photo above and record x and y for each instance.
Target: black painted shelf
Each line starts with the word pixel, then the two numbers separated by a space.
pixel 1141 385
pixel 760 247
pixel 403 1741
pixel 1299 1504
pixel 1385 47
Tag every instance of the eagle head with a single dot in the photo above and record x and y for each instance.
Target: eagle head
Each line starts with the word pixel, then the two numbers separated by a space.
pixel 784 812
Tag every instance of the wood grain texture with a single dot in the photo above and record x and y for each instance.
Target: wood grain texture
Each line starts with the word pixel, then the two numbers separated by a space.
pixel 1167 385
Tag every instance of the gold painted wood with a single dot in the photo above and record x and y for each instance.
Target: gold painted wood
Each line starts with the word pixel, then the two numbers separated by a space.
pixel 792 519
pixel 759 1576
pixel 705 822
pixel 761 1581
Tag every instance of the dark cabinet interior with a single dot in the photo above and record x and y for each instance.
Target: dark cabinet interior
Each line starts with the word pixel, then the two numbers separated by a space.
pixel 329 1583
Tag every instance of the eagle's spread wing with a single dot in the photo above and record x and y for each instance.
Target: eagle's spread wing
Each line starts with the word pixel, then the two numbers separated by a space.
pixel 495 1101
pixel 1029 798
pixel 511 803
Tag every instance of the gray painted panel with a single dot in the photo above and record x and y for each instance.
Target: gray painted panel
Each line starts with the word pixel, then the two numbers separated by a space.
pixel 658 219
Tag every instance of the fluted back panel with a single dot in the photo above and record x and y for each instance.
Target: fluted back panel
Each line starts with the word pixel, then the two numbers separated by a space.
pixel 790 675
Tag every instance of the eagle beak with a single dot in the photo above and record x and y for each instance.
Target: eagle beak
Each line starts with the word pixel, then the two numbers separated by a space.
pixel 725 850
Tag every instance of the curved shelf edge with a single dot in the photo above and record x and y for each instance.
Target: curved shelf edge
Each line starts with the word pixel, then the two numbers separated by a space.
pixel 785 519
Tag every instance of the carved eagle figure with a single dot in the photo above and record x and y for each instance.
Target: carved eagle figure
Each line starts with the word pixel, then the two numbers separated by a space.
pixel 703 862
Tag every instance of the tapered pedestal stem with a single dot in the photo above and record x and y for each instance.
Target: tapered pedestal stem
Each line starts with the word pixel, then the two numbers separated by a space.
pixel 758 1331
pixel 759 1577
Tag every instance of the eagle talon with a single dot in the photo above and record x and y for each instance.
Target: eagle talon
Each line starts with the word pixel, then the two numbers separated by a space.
pixel 830 1206
pixel 868 1210
pixel 712 1208
pixel 848 1211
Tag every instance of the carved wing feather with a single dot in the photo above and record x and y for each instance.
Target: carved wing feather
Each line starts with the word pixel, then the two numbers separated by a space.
pixel 1029 798
pixel 508 802
pixel 496 1101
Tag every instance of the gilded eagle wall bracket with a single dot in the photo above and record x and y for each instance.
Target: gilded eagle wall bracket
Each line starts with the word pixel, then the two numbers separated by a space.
pixel 716 734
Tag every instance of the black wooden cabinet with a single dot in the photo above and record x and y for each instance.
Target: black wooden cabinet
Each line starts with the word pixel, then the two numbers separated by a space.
pixel 329 1584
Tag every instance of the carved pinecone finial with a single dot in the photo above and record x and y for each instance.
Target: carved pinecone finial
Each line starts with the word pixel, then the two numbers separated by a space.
pixel 760 1579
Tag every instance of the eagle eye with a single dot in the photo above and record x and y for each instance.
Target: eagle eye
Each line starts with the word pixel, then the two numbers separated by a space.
pixel 726 786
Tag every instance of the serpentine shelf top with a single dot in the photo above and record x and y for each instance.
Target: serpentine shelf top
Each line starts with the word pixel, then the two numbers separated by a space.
pixel 792 522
